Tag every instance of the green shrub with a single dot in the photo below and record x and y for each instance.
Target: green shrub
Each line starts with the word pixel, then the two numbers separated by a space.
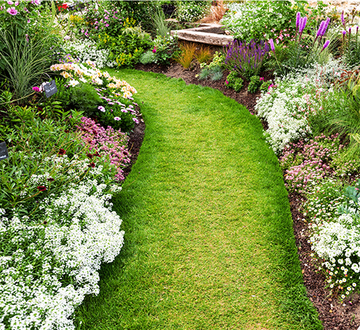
pixel 265 85
pixel 234 81
pixel 254 84
pixel 147 57
pixel 85 98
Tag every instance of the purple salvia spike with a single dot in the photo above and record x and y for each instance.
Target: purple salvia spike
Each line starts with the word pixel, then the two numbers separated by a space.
pixel 326 25
pixel 302 24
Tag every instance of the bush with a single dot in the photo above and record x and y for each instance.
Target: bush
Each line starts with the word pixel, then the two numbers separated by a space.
pixel 191 11
pixel 234 81
pixel 254 84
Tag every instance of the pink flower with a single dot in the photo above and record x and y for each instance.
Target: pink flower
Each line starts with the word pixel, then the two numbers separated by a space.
pixel 10 3
pixel 36 89
pixel 154 50
pixel 117 118
pixel 101 108
pixel 16 3
pixel 106 25
pixel 226 82
pixel 261 78
pixel 12 11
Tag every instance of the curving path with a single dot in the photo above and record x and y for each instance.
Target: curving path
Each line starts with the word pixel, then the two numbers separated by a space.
pixel 209 239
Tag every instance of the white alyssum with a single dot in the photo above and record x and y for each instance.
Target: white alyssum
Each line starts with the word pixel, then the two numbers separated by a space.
pixel 287 105
pixel 48 265
pixel 86 50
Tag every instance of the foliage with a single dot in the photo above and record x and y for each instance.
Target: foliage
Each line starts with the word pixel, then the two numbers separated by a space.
pixel 187 54
pixel 246 58
pixel 161 27
pixel 148 57
pixel 191 11
pixel 254 84
pixel 215 73
pixel 263 20
pixel 234 81
pixel 218 60
pixel 164 48
pixel 265 85
pixel 341 114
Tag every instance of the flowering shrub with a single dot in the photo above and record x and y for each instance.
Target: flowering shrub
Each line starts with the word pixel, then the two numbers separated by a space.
pixel 191 11
pixel 107 143
pixel 260 20
pixel 86 50
pixel 247 59
pixel 289 103
pixel 49 263
pixel 110 92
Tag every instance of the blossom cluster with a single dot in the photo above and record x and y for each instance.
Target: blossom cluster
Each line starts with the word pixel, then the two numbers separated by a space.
pixel 287 105
pixel 91 74
pixel 48 264
pixel 110 144
pixel 86 50
pixel 336 242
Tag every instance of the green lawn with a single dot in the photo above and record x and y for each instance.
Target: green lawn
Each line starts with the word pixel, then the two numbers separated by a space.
pixel 209 241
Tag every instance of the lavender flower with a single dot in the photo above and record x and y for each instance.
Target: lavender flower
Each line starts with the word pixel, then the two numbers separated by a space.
pixel 342 18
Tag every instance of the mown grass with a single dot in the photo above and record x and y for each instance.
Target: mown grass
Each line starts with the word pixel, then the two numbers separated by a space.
pixel 209 241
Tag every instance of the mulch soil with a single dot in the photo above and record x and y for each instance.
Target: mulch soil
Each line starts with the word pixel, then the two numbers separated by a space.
pixel 335 316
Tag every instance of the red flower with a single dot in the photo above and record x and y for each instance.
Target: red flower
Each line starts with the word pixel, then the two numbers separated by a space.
pixel 92 165
pixel 62 152
pixel 96 154
pixel 50 179
pixel 89 155
pixel 41 188
pixel 63 6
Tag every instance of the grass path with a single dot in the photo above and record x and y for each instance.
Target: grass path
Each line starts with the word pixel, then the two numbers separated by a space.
pixel 209 240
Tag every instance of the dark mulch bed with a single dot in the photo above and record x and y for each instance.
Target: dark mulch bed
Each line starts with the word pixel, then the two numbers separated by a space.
pixel 334 315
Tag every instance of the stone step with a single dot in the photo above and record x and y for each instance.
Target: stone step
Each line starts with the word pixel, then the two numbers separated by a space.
pixel 210 34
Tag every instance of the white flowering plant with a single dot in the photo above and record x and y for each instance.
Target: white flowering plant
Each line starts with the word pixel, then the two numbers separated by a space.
pixel 335 241
pixel 86 50
pixel 292 100
pixel 50 262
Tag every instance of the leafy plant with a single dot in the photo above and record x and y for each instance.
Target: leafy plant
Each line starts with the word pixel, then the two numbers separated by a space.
pixel 214 73
pixel 254 84
pixel 161 27
pixel 265 85
pixel 234 81
pixel 147 57
pixel 191 11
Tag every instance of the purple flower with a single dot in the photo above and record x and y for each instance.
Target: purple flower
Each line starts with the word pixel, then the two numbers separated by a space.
pixel 326 44
pixel 344 32
pixel 320 30
pixel 12 11
pixel 271 42
pixel 342 18
pixel 101 108
pixel 298 17
pixel 117 118
pixel 302 24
